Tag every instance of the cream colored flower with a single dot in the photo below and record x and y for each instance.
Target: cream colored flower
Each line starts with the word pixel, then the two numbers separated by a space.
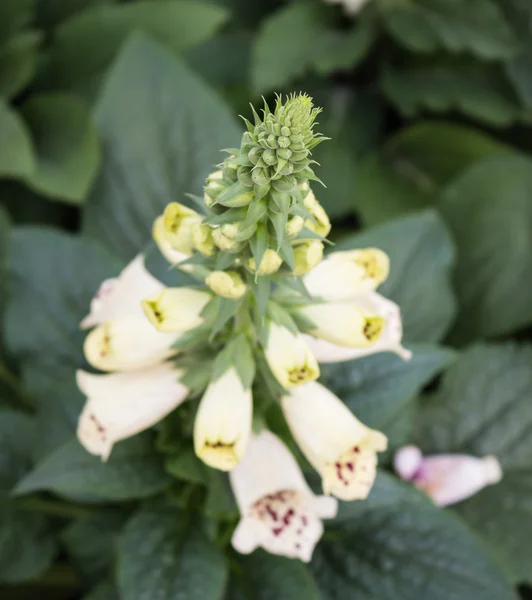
pixel 223 422
pixel 306 256
pixel 127 343
pixel 123 295
pixel 388 341
pixel 279 512
pixel 174 257
pixel 176 310
pixel 294 226
pixel 447 478
pixel 289 358
pixel 123 404
pixel 270 263
pixel 178 223
pixel 346 275
pixel 341 448
pixel 214 186
pixel 345 323
pixel 228 284
pixel 321 224
pixel 224 237
pixel 202 239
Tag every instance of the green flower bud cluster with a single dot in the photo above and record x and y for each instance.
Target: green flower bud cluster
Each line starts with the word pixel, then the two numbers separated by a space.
pixel 262 208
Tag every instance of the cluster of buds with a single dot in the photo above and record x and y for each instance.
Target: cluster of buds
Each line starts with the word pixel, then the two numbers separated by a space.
pixel 266 310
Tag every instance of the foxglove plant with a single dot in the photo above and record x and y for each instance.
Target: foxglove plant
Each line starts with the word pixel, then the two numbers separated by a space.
pixel 266 310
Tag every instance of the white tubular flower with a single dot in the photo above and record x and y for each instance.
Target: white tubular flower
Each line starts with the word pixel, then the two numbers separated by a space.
pixel 321 224
pixel 289 358
pixel 341 448
pixel 279 512
pixel 345 323
pixel 127 343
pixel 345 275
pixel 122 296
pixel 223 422
pixel 174 257
pixel 176 310
pixel 447 478
pixel 388 341
pixel 123 404
pixel 179 222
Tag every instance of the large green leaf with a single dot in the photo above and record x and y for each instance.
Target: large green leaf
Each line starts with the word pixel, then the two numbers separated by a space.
pixel 52 12
pixel 54 277
pixel 134 470
pixel 421 254
pixel 483 408
pixel 16 151
pixel 16 14
pixel 156 149
pixel 408 171
pixel 397 546
pixel 476 26
pixel 16 435
pixel 476 91
pixel 66 144
pixel 104 591
pixel 18 63
pixel 263 576
pixel 377 387
pixel 75 58
pixel 489 212
pixel 165 555
pixel 286 44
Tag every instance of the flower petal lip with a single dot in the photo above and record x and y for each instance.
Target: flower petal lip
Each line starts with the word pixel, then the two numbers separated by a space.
pixel 279 511
pixel 340 447
pixel 289 358
pixel 122 296
pixel 223 422
pixel 121 405
pixel 127 343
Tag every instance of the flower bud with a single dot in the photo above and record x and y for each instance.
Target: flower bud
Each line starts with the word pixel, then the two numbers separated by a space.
pixel 270 263
pixel 176 310
pixel 294 226
pixel 213 188
pixel 322 224
pixel 306 256
pixel 202 239
pixel 174 257
pixel 223 422
pixel 228 284
pixel 224 237
pixel 178 222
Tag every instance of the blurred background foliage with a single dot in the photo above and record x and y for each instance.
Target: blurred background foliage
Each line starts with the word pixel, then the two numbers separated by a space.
pixel 111 109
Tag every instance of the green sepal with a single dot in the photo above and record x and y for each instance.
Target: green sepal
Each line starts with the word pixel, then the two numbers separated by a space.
pixel 266 379
pixel 282 201
pixel 308 234
pixel 260 288
pixel 231 197
pixel 294 283
pixel 259 245
pixel 198 201
pixel 260 191
pixel 255 213
pixel 287 254
pixel 233 215
pixel 237 354
pixel 238 161
pixel 227 309
pixel 245 233
pixel 199 336
pixel 302 322
pixel 231 151
pixel 197 376
pixel 224 260
pixel 277 314
pixel 279 222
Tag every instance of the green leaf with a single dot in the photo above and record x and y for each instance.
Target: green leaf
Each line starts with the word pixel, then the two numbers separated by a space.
pixel 91 543
pixel 489 212
pixel 17 431
pixel 264 576
pixel 400 546
pixel 76 60
pixel 475 26
pixel 104 591
pixel 157 138
pixel 52 12
pixel 474 90
pixel 164 555
pixel 16 151
pixel 54 277
pixel 16 14
pixel 409 170
pixel 421 255
pixel 18 63
pixel 286 44
pixel 377 387
pixel 26 546
pixel 66 145
pixel 134 470
pixel 483 408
